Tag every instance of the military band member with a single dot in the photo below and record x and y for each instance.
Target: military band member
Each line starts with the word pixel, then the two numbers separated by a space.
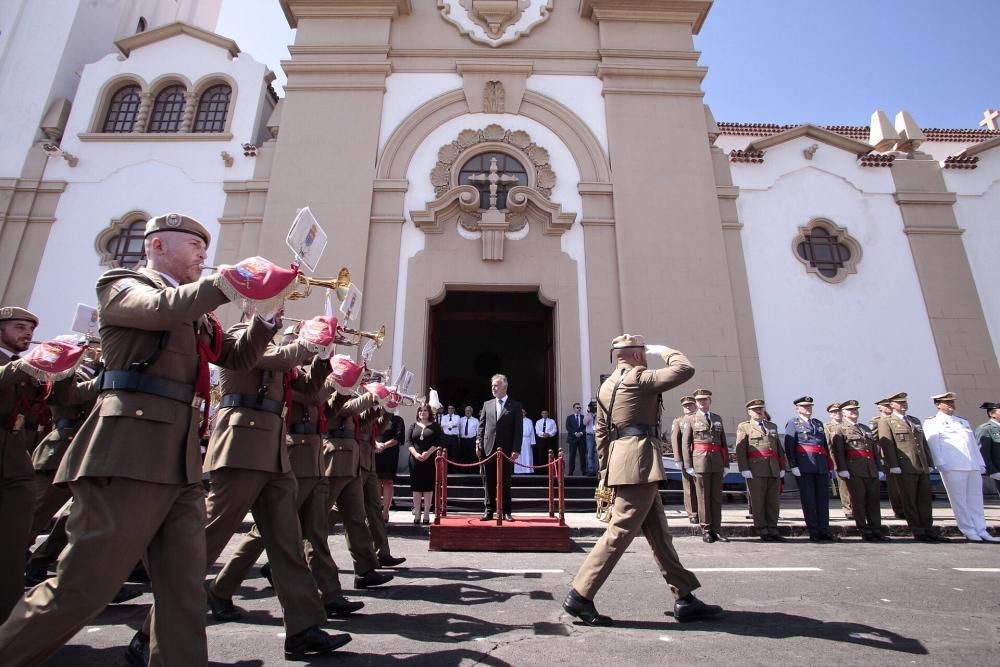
pixel 372 421
pixel 855 451
pixel 905 451
pixel 134 467
pixel 629 457
pixel 838 485
pixel 706 458
pixel 17 488
pixel 988 436
pixel 687 480
pixel 808 452
pixel 761 460
pixel 895 499
pixel 960 463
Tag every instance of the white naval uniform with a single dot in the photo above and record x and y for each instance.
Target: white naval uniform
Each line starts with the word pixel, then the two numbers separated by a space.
pixel 525 458
pixel 957 457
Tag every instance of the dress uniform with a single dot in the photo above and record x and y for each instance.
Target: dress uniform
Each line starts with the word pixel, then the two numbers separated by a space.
pixel 342 466
pixel 855 452
pixel 304 442
pixel 905 451
pixel 838 484
pixel 629 455
pixel 895 500
pixel 17 490
pixel 687 480
pixel 706 458
pixel 988 437
pixel 371 423
pixel 134 467
pixel 761 460
pixel 956 454
pixel 808 453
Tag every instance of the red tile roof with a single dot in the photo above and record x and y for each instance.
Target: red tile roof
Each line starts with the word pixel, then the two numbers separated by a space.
pixel 856 132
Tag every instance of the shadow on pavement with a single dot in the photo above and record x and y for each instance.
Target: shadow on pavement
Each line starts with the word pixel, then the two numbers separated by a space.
pixel 437 628
pixel 75 655
pixel 777 625
pixel 450 658
pixel 459 593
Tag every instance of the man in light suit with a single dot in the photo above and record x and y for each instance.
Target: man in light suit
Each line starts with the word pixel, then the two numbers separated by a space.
pixel 501 423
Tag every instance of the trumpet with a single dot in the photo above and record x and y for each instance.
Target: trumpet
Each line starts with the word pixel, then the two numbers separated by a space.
pixel 377 336
pixel 605 497
pixel 340 285
pixel 375 375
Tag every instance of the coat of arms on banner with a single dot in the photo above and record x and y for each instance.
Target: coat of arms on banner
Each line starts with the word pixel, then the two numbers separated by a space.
pixel 495 22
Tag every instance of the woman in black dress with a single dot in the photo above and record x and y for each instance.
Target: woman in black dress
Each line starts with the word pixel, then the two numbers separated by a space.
pixel 424 440
pixel 387 460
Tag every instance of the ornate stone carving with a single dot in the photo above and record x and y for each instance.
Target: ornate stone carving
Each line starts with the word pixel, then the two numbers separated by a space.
pixel 445 172
pixel 494 97
pixel 495 22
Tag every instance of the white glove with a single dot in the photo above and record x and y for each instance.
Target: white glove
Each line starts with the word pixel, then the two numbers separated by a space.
pixel 657 349
pixel 746 474
pixel 796 471
pixel 690 471
pixel 881 476
pixel 781 474
pixel 996 476
pixel 896 471
pixel 844 474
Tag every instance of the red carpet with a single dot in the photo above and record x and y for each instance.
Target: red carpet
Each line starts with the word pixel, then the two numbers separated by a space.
pixel 464 532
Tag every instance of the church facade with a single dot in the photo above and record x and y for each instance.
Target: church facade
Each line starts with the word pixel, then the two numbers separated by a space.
pixel 514 183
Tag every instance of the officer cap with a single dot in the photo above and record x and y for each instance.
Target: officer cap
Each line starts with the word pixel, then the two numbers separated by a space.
pixel 850 405
pixel 883 401
pixel 16 313
pixel 833 407
pixel 685 400
pixel 176 222
pixel 755 403
pixel 803 400
pixel 628 340
pixel 702 393
pixel 989 406
pixel 897 398
pixel 946 396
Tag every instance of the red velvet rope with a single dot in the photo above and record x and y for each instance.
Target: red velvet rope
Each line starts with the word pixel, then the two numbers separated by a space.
pixel 498 452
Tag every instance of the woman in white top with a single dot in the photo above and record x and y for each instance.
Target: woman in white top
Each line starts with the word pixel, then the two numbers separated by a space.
pixel 527 443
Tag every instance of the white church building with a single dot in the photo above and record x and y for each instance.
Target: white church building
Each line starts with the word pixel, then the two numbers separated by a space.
pixel 841 262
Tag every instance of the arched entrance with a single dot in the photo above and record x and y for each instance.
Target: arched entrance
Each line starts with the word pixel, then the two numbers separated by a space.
pixel 473 334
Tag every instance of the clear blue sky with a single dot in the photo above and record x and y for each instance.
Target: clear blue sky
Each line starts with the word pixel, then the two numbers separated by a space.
pixel 827 62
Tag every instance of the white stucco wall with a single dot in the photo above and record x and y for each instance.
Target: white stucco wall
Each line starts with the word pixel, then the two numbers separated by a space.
pixel 582 94
pixel 421 192
pixel 977 210
pixel 863 338
pixel 115 177
pixel 405 93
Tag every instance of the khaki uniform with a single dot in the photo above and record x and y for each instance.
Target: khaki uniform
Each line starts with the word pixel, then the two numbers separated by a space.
pixel 904 446
pixel 17 491
pixel 838 484
pixel 305 443
pixel 895 499
pixel 370 487
pixel 134 469
pixel 342 466
pixel 687 481
pixel 703 444
pixel 631 464
pixel 249 469
pixel 855 450
pixel 759 450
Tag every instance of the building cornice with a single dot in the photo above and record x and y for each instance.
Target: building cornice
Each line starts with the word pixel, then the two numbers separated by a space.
pixel 813 132
pixel 691 12
pixel 137 41
pixel 116 137
pixel 297 9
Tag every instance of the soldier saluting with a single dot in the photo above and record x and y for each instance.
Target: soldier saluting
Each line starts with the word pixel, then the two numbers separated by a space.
pixel 628 451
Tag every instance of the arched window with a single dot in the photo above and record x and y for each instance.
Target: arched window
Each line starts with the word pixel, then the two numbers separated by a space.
pixel 126 249
pixel 212 109
pixel 122 109
pixel 475 170
pixel 168 110
pixel 827 250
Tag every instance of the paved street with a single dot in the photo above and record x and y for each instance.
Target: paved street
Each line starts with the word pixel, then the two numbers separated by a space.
pixel 844 603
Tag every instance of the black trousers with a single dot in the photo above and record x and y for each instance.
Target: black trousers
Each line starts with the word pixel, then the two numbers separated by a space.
pixel 489 472
pixel 544 446
pixel 815 495
pixel 467 453
pixel 452 446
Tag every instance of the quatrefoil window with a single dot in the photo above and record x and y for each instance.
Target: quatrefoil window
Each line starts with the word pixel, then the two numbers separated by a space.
pixel 827 250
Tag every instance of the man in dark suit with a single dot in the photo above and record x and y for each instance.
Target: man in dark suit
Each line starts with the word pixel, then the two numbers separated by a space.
pixel 501 422
pixel 576 441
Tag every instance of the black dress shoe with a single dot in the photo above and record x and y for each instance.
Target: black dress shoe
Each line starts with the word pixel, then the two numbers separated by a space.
pixel 313 641
pixel 223 610
pixel 924 538
pixel 939 538
pixel 580 607
pixel 879 537
pixel 866 537
pixel 390 561
pixel 372 578
pixel 778 537
pixel 341 606
pixel 265 571
pixel 487 516
pixel 720 538
pixel 708 538
pixel 694 609
pixel 507 516
pixel 765 538
pixel 137 653
pixel 827 537
pixel 124 595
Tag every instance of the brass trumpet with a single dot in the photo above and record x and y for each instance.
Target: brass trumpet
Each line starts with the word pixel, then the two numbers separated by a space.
pixel 375 375
pixel 605 497
pixel 340 285
pixel 377 336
